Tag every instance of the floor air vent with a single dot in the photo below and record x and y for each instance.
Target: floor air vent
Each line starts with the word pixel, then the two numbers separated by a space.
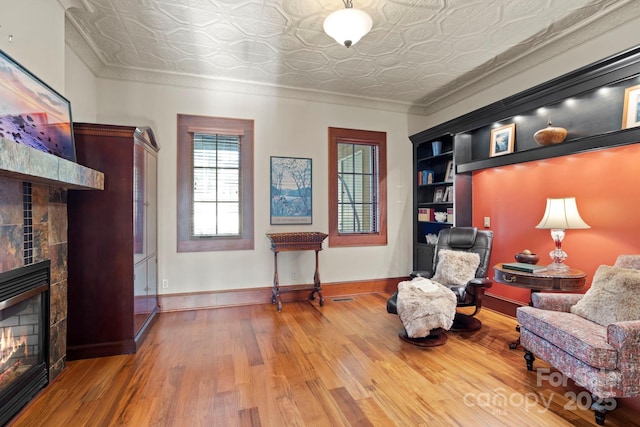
pixel 342 299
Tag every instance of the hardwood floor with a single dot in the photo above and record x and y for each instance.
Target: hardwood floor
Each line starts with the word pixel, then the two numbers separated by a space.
pixel 338 365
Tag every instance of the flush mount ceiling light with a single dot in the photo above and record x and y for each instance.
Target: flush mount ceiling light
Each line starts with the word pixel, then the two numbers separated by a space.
pixel 347 26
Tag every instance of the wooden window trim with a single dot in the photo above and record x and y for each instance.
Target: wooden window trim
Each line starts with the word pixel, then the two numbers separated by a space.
pixel 378 139
pixel 186 125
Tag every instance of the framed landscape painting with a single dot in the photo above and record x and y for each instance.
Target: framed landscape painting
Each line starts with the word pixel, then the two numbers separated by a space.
pixel 32 113
pixel 290 191
pixel 630 110
pixel 502 140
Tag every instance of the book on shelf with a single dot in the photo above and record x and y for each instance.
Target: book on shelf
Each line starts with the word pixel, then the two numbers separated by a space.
pixel 521 266
pixel 448 195
pixel 425 214
pixel 450 215
pixel 425 177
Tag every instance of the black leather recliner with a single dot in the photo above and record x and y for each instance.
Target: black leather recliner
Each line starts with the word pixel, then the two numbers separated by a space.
pixel 468 239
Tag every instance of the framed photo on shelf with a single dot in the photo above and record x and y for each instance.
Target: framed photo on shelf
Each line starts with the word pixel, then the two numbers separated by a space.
pixel 290 191
pixel 438 195
pixel 502 140
pixel 630 110
pixel 448 194
pixel 32 113
pixel 448 176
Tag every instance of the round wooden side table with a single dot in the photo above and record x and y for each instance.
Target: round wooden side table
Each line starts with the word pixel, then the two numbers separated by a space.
pixel 571 281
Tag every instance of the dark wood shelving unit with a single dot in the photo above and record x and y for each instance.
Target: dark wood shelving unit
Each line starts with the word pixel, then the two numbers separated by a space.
pixel 615 69
pixel 447 155
pixel 436 184
pixel 581 145
pixel 593 119
pixel 424 195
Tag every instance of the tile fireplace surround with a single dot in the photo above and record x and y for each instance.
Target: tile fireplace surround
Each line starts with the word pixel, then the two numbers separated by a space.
pixel 50 178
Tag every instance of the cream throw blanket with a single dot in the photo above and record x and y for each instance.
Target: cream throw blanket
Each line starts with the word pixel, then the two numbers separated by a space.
pixel 424 305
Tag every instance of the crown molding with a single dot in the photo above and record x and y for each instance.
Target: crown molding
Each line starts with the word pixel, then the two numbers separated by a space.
pixel 524 56
pixel 506 65
pixel 79 45
pixel 81 4
pixel 97 66
pixel 254 88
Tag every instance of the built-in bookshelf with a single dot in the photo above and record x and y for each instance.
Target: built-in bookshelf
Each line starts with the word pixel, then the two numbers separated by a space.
pixel 593 103
pixel 434 195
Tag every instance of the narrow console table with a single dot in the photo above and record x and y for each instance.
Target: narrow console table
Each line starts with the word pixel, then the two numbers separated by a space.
pixel 571 281
pixel 296 241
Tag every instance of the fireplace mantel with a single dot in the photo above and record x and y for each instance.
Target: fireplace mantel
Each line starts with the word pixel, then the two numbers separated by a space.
pixel 34 187
pixel 25 163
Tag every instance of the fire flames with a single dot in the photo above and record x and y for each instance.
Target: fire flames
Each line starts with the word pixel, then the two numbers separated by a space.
pixel 10 345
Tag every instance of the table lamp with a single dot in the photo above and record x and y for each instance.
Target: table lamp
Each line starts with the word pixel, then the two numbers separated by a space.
pixel 560 214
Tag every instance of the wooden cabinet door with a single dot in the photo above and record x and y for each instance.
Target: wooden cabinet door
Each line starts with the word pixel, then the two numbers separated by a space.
pixel 151 203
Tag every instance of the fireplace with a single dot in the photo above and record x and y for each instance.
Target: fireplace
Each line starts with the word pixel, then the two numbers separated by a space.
pixel 33 227
pixel 24 336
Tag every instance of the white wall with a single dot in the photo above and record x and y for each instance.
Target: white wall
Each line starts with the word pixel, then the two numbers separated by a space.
pixel 283 127
pixel 37 31
pixel 37 27
pixel 82 89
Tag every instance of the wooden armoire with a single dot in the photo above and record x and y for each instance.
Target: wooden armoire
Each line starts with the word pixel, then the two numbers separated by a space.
pixel 112 240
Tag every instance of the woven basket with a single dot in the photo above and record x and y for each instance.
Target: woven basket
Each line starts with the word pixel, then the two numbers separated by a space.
pixel 296 240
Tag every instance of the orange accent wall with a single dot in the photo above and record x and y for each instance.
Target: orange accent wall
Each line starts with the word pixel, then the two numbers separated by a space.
pixel 605 185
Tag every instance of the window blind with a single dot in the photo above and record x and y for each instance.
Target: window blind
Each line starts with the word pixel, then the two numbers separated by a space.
pixel 357 188
pixel 216 185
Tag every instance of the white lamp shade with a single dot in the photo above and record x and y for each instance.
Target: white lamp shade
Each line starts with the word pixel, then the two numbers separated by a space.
pixel 562 214
pixel 347 26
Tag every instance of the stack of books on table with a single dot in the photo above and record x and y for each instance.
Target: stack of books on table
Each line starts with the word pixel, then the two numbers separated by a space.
pixel 521 266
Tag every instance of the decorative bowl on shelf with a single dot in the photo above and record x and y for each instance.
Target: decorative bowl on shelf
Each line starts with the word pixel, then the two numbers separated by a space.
pixel 527 258
pixel 441 216
pixel 431 238
pixel 550 135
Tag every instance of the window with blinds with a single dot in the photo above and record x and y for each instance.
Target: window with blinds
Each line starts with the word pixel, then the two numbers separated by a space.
pixel 358 188
pixel 216 185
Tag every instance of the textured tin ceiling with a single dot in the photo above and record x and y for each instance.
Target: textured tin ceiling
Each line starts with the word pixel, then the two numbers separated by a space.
pixel 419 53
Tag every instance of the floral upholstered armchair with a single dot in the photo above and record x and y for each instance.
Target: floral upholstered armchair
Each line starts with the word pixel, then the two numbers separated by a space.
pixel 594 338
